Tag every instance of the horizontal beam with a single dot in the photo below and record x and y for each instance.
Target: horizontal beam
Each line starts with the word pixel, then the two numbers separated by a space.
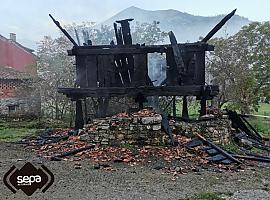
pixel 136 49
pixel 190 90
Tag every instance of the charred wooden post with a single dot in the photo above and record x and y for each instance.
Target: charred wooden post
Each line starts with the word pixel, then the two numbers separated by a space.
pixel 185 108
pixel 140 70
pixel 79 121
pixel 171 71
pixel 174 107
pixel 126 30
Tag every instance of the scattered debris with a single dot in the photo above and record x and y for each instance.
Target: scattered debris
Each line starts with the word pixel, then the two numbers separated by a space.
pixel 194 153
pixel 72 152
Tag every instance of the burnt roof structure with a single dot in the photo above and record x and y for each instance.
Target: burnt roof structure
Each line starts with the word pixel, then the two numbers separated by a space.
pixel 121 69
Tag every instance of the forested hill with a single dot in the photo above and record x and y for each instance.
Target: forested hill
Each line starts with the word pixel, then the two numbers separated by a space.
pixel 186 27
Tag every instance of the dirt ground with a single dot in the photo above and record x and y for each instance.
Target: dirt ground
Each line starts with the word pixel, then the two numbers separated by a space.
pixel 132 182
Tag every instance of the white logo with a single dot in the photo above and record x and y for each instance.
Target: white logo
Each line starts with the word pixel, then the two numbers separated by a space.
pixel 28 180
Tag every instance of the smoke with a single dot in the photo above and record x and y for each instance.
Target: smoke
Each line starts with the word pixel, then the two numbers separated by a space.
pixel 157 68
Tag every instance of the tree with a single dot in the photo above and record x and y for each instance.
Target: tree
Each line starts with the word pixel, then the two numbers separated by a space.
pixel 240 66
pixel 148 33
pixel 256 38
pixel 55 69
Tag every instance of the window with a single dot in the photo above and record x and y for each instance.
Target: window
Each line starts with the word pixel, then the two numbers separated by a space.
pixel 12 108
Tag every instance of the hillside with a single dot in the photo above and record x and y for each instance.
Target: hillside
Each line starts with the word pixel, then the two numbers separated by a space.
pixel 186 27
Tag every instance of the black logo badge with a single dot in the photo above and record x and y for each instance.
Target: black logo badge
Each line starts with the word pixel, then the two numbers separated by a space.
pixel 28 179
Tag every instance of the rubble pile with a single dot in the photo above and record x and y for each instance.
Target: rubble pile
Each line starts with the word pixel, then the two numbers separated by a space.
pixel 137 138
pixel 178 159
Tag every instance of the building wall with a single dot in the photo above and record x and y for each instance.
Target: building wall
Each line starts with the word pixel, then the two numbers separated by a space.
pixel 13 101
pixel 20 106
pixel 15 56
pixel 8 88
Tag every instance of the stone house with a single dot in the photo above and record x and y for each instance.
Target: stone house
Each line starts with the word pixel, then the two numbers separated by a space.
pixel 17 74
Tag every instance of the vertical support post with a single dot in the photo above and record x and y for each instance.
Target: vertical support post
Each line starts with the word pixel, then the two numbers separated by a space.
pixel 79 115
pixel 203 107
pixel 185 108
pixel 85 111
pixel 203 101
pixel 140 70
pixel 174 106
pixel 199 75
pixel 171 71
pixel 140 99
pixel 126 30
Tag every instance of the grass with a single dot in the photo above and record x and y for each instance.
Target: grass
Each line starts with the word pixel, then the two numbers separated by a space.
pixel 205 196
pixel 264 109
pixel 12 131
pixel 15 134
pixel 232 147
pixel 261 125
pixel 267 187
pixel 193 109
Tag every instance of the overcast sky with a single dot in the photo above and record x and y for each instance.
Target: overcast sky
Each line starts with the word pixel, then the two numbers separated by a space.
pixel 29 18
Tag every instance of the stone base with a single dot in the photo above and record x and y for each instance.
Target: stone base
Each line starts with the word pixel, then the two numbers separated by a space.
pixel 127 130
pixel 217 130
pixel 137 130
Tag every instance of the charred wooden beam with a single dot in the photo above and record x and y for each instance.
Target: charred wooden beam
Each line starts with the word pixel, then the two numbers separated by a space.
pixel 177 54
pixel 136 49
pixel 190 90
pixel 71 152
pixel 196 46
pixel 57 23
pixel 219 149
pixel 218 26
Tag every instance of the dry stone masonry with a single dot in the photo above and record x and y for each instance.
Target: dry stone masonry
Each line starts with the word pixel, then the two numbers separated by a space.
pixel 217 130
pixel 140 129
pixel 126 130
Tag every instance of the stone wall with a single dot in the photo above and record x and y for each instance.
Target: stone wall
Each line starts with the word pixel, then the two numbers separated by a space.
pixel 217 129
pixel 23 106
pixel 126 130
pixel 147 130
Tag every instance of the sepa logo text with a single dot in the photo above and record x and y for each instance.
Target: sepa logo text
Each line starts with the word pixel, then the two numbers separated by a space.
pixel 28 180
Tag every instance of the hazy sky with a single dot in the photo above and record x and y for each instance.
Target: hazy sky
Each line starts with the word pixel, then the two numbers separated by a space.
pixel 29 18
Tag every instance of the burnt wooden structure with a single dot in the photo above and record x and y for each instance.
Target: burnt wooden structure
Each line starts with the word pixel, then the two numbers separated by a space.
pixel 121 69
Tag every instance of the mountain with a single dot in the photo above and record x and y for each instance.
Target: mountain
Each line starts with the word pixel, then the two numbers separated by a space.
pixel 185 26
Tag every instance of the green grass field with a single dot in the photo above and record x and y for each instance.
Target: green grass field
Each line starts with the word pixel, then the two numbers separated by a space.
pixel 264 109
pixel 15 134
pixel 11 131
pixel 262 125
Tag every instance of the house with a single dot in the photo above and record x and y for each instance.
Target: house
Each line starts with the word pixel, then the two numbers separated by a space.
pixel 17 74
